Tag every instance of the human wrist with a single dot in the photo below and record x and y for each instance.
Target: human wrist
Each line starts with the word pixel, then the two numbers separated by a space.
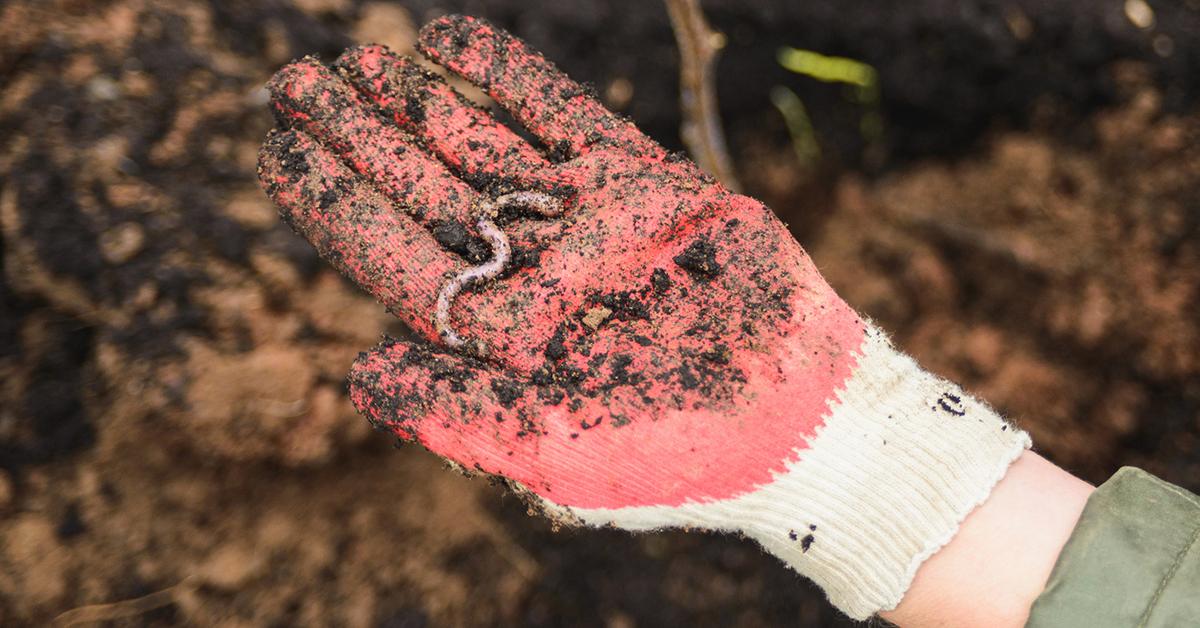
pixel 990 573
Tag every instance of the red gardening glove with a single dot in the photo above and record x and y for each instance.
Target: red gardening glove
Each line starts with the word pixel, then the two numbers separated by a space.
pixel 654 345
pixel 637 359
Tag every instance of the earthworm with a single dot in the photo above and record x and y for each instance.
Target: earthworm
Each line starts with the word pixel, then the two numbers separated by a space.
pixel 541 203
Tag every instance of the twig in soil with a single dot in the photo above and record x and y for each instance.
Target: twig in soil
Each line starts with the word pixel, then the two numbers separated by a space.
pixel 96 613
pixel 698 48
pixel 980 241
pixel 543 204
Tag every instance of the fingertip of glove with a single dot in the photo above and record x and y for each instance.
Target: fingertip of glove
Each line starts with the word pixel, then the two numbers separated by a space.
pixel 367 387
pixel 280 161
pixel 391 358
pixel 295 77
pixel 364 61
pixel 449 35
pixel 307 89
pixel 369 51
pixel 277 142
pixel 369 365
pixel 377 70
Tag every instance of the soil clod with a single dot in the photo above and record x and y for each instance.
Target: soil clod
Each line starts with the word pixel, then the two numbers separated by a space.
pixel 699 259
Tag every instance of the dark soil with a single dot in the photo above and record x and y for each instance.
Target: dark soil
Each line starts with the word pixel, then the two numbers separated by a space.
pixel 172 357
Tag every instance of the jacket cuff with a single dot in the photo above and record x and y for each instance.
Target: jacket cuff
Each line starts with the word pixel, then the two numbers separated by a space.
pixel 1132 560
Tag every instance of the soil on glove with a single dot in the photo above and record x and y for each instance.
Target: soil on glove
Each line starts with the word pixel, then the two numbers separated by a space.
pixel 172 407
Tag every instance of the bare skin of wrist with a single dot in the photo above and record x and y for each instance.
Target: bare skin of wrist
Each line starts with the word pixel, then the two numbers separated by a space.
pixel 993 569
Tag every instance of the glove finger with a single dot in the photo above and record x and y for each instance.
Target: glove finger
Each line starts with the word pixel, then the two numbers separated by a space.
pixel 311 97
pixel 355 228
pixel 459 407
pixel 495 421
pixel 592 451
pixel 485 153
pixel 560 112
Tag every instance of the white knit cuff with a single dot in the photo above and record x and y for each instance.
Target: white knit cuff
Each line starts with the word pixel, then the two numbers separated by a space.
pixel 902 458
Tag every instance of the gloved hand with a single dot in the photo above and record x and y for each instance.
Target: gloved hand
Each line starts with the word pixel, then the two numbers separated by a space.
pixel 611 330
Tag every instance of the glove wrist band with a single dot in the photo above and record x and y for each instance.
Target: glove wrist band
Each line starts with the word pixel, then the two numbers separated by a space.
pixel 902 458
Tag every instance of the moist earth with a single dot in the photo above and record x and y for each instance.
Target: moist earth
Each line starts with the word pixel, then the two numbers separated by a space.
pixel 172 358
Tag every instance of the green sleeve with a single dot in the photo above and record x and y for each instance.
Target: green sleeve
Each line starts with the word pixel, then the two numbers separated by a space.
pixel 1132 560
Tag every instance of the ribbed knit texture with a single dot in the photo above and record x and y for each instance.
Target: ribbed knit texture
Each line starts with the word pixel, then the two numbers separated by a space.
pixel 902 459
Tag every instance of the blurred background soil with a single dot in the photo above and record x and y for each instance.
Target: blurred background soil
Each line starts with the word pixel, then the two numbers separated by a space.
pixel 172 413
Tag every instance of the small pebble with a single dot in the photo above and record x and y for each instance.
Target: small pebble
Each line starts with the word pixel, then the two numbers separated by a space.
pixel 121 243
pixel 596 316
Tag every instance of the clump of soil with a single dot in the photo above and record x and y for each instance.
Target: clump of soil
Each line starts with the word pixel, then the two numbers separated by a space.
pixel 172 357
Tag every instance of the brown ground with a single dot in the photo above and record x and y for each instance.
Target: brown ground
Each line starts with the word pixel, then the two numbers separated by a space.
pixel 171 358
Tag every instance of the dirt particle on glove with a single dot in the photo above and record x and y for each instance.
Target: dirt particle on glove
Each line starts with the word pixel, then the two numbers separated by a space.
pixel 454 237
pixel 660 281
pixel 951 403
pixel 522 257
pixel 556 348
pixel 720 354
pixel 699 259
pixel 507 391
pixel 620 373
pixel 559 152
pixel 551 396
pixel 687 378
pixel 596 317
pixel 624 305
pixel 328 198
pixel 414 110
